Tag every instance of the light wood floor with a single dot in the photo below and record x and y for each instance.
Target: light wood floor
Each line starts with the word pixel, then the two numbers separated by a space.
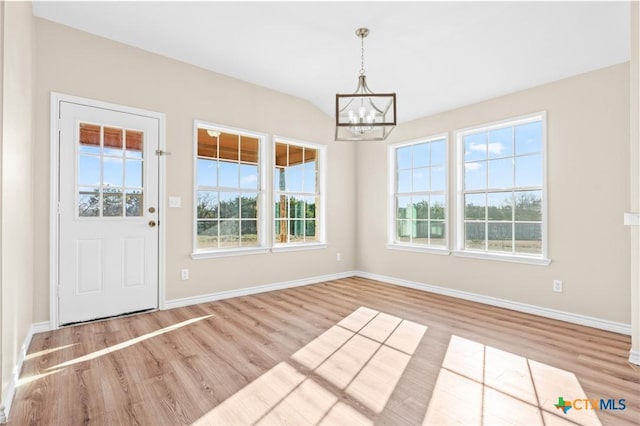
pixel 350 351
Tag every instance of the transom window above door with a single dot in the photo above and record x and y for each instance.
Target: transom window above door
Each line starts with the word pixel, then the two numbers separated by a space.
pixel 110 171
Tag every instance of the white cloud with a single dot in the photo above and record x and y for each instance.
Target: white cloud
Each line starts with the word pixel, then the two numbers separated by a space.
pixel 249 179
pixel 495 148
pixel 471 167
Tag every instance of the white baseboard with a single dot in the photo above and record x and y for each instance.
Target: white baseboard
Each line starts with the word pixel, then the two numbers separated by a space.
pixel 205 298
pixel 40 327
pixel 602 324
pixel 5 408
pixel 634 356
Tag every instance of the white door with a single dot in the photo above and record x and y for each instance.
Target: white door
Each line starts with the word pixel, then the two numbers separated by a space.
pixel 108 213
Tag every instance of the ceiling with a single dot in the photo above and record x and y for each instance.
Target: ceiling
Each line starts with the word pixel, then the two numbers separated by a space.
pixel 436 56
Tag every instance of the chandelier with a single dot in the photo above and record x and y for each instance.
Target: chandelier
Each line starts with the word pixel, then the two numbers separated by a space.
pixel 364 115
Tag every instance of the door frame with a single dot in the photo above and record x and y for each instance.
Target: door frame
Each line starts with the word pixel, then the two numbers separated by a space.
pixel 54 177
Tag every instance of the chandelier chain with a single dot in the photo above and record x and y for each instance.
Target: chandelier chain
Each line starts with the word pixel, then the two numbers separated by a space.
pixel 361 54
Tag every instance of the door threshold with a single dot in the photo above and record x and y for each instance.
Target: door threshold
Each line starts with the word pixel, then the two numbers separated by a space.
pixel 125 314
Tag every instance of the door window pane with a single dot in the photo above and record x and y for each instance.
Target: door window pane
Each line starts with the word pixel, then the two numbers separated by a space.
pixel 110 178
pixel 134 203
pixel 89 170
pixel 133 143
pixel 112 172
pixel 90 135
pixel 88 202
pixel 133 174
pixel 112 203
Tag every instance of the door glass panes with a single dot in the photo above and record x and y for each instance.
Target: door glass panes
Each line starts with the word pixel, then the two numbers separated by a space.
pixel 109 171
pixel 228 190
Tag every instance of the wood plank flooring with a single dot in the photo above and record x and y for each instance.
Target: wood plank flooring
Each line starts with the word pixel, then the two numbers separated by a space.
pixel 349 351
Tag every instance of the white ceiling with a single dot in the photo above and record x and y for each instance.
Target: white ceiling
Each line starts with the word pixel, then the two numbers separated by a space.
pixel 435 55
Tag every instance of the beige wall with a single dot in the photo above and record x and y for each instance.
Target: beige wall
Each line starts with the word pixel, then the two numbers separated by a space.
pixel 17 198
pixel 588 123
pixel 588 181
pixel 634 82
pixel 76 63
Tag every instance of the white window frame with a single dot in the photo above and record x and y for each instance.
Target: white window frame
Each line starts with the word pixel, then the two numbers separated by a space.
pixel 460 250
pixel 321 191
pixel 391 201
pixel 262 219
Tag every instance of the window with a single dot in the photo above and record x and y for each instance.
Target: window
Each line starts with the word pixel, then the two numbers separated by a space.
pixel 297 193
pixel 502 192
pixel 229 189
pixel 419 193
pixel 110 164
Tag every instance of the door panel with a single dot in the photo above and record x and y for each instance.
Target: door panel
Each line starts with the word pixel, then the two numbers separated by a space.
pixel 108 198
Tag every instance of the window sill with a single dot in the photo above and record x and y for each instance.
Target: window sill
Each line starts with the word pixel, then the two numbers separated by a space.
pixel 298 247
pixel 420 249
pixel 503 257
pixel 208 254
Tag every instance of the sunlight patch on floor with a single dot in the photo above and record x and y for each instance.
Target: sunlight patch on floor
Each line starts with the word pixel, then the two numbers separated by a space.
pixel 490 386
pixel 26 380
pixel 363 355
pixel 127 343
pixel 48 351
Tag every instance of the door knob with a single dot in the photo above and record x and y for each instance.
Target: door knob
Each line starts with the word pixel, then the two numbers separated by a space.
pixel 152 223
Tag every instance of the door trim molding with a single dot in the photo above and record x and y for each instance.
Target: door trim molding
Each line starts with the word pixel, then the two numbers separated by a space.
pixel 54 168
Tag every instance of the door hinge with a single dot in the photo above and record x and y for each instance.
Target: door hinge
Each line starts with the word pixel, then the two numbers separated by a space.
pixel 161 152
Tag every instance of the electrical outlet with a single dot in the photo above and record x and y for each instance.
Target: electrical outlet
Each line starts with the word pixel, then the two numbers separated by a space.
pixel 184 273
pixel 338 257
pixel 557 286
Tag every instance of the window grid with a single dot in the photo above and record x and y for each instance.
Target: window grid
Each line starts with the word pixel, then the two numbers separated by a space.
pixel 296 194
pixel 420 207
pixel 505 217
pixel 110 172
pixel 229 193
